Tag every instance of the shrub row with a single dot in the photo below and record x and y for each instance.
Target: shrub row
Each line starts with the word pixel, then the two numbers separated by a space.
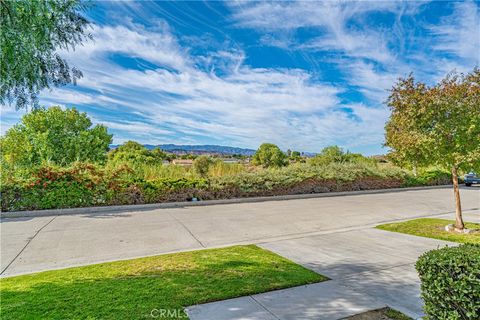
pixel 85 184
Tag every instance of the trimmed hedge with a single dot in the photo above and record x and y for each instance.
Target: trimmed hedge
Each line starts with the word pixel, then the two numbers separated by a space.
pixel 451 282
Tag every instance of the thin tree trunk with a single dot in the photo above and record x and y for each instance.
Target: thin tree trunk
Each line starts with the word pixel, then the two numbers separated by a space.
pixel 458 207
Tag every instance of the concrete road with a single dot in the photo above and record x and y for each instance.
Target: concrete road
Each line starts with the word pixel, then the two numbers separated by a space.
pixel 36 244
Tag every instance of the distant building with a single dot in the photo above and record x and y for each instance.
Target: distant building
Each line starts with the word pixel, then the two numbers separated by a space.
pixel 230 160
pixel 182 162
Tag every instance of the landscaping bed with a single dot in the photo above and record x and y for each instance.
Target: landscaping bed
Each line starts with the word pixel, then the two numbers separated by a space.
pixel 133 289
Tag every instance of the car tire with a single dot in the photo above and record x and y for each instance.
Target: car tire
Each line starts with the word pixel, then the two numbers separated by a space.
pixel 468 184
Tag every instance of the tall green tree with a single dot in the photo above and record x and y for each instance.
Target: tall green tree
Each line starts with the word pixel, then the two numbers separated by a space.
pixel 437 125
pixel 56 136
pixel 135 153
pixel 269 155
pixel 328 155
pixel 32 33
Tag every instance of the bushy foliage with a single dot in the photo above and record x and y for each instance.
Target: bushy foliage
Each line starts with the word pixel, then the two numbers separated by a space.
pixel 55 136
pixel 202 164
pixel 84 184
pixel 132 152
pixel 56 187
pixel 269 155
pixel 268 179
pixel 430 176
pixel 451 282
pixel 335 154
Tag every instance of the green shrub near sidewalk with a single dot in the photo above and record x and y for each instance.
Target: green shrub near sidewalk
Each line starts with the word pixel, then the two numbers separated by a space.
pixel 451 282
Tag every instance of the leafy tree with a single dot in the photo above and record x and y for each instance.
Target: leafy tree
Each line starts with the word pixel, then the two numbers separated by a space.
pixel 328 155
pixel 201 165
pixel 335 154
pixel 136 153
pixel 437 125
pixel 56 136
pixel 32 33
pixel 295 154
pixel 269 155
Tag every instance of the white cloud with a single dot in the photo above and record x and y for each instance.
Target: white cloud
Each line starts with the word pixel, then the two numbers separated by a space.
pixel 216 97
pixel 330 18
pixel 459 33
pixel 372 82
pixel 244 106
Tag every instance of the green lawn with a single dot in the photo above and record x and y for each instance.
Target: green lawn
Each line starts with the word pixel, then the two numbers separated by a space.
pixel 433 228
pixel 131 289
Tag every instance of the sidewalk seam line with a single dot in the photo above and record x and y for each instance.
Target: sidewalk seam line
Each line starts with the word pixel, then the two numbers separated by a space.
pixel 265 308
pixel 26 245
pixel 188 230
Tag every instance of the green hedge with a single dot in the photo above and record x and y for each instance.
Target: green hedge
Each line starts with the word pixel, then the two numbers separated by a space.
pixel 451 282
pixel 429 177
pixel 85 184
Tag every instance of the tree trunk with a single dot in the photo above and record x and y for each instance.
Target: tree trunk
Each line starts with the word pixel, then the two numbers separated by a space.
pixel 458 207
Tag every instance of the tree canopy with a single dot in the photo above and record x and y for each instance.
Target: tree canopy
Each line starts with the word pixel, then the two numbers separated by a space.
pixel 56 136
pixel 32 34
pixel 335 154
pixel 436 125
pixel 269 155
pixel 136 153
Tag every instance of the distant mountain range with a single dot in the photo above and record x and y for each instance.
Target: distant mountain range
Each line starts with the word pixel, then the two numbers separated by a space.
pixel 199 149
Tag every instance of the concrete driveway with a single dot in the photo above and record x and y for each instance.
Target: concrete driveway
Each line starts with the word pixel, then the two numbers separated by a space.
pixel 43 243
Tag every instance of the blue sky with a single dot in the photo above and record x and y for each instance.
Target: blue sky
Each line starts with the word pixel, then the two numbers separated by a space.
pixel 303 75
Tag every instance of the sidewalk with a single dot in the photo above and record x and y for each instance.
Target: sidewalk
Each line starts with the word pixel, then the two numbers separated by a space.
pixel 369 268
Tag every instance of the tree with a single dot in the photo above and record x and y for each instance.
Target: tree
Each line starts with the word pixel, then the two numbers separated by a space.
pixel 437 125
pixel 328 155
pixel 32 33
pixel 201 165
pixel 295 154
pixel 269 155
pixel 136 153
pixel 56 136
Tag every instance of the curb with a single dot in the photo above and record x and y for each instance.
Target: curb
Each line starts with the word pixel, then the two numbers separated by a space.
pixel 166 205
